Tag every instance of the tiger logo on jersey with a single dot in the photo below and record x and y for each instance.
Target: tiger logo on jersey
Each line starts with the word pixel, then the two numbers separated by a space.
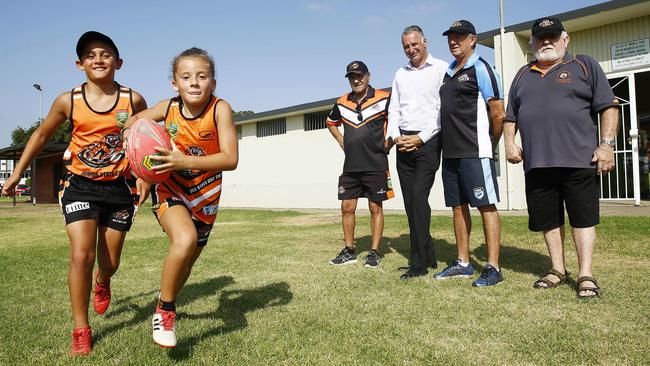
pixel 190 173
pixel 107 151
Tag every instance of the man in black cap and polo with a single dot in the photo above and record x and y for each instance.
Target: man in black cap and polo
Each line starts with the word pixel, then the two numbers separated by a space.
pixel 471 115
pixel 363 114
pixel 556 102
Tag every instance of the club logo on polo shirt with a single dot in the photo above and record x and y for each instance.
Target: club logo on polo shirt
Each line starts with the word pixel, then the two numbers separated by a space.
pixel 463 77
pixel 563 77
pixel 478 192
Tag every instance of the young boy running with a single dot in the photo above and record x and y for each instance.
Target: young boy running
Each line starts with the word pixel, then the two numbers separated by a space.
pixel 97 193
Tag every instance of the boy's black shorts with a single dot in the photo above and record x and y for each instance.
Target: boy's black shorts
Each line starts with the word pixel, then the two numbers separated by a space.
pixel 112 203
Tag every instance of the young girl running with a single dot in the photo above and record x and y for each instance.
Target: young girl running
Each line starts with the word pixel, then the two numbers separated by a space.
pixel 96 196
pixel 204 141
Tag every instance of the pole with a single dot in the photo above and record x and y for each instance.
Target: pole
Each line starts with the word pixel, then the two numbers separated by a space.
pixel 40 107
pixel 32 191
pixel 502 31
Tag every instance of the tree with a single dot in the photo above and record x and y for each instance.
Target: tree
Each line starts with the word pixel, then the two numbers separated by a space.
pixel 238 114
pixel 20 136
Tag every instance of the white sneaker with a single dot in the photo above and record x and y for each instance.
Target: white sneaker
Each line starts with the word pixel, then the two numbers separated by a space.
pixel 164 331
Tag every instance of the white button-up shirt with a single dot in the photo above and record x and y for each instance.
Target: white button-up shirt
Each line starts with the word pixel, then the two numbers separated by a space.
pixel 415 99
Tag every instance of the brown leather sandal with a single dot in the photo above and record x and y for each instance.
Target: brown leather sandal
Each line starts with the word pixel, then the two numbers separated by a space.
pixel 595 289
pixel 549 283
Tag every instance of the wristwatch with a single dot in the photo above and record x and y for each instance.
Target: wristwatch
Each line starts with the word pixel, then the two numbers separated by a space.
pixel 610 142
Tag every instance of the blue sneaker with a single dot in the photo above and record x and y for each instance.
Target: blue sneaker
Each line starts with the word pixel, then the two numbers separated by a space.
pixel 455 270
pixel 489 277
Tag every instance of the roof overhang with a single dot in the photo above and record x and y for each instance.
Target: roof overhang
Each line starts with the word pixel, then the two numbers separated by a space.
pixel 579 19
pixel 15 152
pixel 321 105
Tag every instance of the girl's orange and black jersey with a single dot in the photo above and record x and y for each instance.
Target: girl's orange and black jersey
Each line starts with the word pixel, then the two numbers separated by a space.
pixel 364 130
pixel 95 151
pixel 199 190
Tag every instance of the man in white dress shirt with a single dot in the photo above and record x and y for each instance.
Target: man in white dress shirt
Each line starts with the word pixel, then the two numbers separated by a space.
pixel 414 126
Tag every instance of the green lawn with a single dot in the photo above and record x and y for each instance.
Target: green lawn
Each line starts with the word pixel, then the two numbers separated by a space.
pixel 263 293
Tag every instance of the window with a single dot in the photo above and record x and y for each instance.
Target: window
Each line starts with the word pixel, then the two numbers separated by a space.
pixel 239 135
pixel 315 121
pixel 277 126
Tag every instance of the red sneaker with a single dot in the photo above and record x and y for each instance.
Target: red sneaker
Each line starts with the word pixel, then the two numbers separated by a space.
pixel 81 341
pixel 102 297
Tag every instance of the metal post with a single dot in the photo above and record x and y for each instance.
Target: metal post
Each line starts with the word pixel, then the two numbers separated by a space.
pixel 502 31
pixel 40 120
pixel 13 167
pixel 634 141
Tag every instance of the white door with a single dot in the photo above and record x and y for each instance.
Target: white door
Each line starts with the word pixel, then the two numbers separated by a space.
pixel 623 182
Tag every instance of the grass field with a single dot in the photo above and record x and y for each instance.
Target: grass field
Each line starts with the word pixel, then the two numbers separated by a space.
pixel 263 293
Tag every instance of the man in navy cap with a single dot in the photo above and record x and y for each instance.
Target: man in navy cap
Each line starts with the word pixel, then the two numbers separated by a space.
pixel 556 102
pixel 363 114
pixel 471 114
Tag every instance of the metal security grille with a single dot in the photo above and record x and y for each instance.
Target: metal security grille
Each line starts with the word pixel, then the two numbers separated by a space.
pixel 315 121
pixel 277 126
pixel 619 183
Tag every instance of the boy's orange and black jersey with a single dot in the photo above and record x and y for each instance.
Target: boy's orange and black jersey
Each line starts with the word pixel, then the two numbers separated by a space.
pixel 199 190
pixel 95 151
pixel 364 133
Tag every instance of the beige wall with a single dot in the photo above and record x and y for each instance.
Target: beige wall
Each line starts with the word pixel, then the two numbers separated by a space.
pixel 300 169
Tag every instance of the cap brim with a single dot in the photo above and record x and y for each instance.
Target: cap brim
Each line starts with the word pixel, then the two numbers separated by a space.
pixel 547 32
pixel 354 72
pixel 457 31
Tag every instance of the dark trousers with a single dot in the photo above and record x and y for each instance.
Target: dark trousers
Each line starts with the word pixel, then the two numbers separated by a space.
pixel 416 172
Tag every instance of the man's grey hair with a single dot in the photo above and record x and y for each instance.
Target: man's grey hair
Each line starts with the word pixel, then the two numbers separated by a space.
pixel 562 36
pixel 413 28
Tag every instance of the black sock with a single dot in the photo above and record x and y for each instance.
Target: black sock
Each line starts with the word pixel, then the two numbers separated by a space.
pixel 350 249
pixel 168 306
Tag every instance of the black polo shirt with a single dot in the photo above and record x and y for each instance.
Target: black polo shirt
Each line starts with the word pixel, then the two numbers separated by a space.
pixel 464 112
pixel 557 112
pixel 364 130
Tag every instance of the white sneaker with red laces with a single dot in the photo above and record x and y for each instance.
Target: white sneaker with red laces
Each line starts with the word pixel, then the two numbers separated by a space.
pixel 164 332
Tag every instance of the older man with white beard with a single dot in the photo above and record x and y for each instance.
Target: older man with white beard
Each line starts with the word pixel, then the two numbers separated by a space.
pixel 555 102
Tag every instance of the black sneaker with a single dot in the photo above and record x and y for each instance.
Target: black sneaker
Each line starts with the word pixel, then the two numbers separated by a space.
pixel 413 272
pixel 372 260
pixel 346 256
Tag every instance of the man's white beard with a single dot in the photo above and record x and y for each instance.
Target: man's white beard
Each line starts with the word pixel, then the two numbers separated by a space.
pixel 549 55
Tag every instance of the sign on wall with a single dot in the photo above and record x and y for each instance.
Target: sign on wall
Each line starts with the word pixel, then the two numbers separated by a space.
pixel 631 54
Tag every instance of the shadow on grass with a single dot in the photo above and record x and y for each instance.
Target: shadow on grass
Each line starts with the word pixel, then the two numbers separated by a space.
pixel 512 258
pixel 517 259
pixel 189 293
pixel 233 305
pixel 445 251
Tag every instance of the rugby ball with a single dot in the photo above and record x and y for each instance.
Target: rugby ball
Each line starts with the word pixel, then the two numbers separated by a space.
pixel 141 140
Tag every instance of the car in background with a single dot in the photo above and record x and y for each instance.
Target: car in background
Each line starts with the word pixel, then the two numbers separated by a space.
pixel 23 190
